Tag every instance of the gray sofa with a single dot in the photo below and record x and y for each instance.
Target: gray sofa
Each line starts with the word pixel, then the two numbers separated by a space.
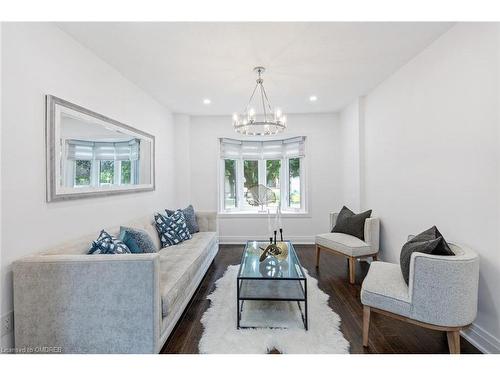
pixel 118 303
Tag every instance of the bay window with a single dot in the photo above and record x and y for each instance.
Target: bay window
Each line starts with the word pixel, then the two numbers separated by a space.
pixel 276 164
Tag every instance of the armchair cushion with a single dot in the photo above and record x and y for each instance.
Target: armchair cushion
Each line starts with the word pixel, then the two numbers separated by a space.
pixel 350 223
pixel 384 288
pixel 344 243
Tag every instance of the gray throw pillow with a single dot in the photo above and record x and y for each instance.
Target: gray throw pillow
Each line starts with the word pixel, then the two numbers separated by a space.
pixel 190 217
pixel 350 223
pixel 430 241
pixel 137 240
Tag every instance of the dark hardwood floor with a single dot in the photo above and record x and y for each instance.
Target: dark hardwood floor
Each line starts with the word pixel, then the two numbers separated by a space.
pixel 386 335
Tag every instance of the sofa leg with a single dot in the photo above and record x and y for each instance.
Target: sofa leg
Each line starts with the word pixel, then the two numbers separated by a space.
pixel 352 270
pixel 366 324
pixel 453 341
pixel 375 257
pixel 318 249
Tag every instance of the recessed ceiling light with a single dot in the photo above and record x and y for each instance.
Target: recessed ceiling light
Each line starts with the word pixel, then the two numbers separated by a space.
pixel 313 98
pixel 207 101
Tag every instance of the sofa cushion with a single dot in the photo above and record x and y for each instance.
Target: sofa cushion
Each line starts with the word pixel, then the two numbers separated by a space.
pixel 344 243
pixel 171 229
pixel 137 240
pixel 81 245
pixel 179 265
pixel 190 217
pixel 147 223
pixel 107 244
pixel 384 288
pixel 350 223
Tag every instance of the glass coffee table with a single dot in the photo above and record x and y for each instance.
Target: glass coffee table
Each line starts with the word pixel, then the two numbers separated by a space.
pixel 273 279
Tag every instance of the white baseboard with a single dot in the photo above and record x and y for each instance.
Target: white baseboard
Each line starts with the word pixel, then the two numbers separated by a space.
pixel 240 240
pixel 481 339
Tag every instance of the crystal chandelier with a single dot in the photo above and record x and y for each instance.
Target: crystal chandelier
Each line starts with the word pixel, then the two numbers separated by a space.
pixel 268 122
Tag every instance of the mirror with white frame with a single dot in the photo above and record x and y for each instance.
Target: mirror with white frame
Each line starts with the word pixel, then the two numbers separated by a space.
pixel 89 154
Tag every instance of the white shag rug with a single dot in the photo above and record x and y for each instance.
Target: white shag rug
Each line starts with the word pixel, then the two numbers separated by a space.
pixel 220 335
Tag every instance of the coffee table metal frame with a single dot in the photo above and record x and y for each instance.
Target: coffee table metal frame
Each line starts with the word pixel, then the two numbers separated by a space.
pixel 301 296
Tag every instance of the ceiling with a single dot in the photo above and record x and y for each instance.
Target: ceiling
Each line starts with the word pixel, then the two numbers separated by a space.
pixel 180 64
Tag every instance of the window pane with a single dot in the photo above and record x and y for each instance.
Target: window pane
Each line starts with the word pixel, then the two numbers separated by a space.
pixel 126 169
pixel 107 171
pixel 273 168
pixel 251 176
pixel 294 183
pixel 229 183
pixel 82 172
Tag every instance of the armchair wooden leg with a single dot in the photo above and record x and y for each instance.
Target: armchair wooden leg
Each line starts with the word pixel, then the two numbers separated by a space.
pixel 375 257
pixel 453 341
pixel 352 270
pixel 318 249
pixel 366 324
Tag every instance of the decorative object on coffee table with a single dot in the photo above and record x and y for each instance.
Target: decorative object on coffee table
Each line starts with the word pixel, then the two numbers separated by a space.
pixel 278 250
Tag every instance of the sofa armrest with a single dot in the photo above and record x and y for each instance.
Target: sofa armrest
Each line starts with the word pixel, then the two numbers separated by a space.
pixel 372 232
pixel 207 221
pixel 88 303
pixel 444 289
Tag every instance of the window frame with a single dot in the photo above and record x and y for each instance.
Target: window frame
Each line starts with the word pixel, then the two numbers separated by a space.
pixel 246 210
pixel 95 169
pixel 222 188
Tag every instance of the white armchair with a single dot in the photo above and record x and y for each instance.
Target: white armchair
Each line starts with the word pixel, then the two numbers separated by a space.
pixel 441 294
pixel 350 246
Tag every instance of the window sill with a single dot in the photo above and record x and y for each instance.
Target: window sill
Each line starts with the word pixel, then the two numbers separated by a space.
pixel 248 215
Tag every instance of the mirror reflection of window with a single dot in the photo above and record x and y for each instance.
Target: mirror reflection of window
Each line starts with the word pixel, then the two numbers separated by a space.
pixel 90 154
pixel 94 164
pixel 125 170
pixel 83 172
pixel 106 172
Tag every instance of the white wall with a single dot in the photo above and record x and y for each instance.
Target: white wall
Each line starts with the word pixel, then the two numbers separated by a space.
pixel 39 59
pixel 350 131
pixel 323 174
pixel 183 159
pixel 432 155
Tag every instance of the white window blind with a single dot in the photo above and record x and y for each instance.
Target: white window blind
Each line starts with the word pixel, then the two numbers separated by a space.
pixel 255 150
pixel 84 150
pixel 80 150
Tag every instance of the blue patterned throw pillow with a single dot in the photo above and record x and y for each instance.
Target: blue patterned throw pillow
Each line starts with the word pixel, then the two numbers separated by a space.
pixel 137 240
pixel 182 227
pixel 190 217
pixel 172 229
pixel 107 244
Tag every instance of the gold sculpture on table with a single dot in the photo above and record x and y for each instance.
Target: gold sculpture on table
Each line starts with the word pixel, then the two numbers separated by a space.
pixel 278 250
